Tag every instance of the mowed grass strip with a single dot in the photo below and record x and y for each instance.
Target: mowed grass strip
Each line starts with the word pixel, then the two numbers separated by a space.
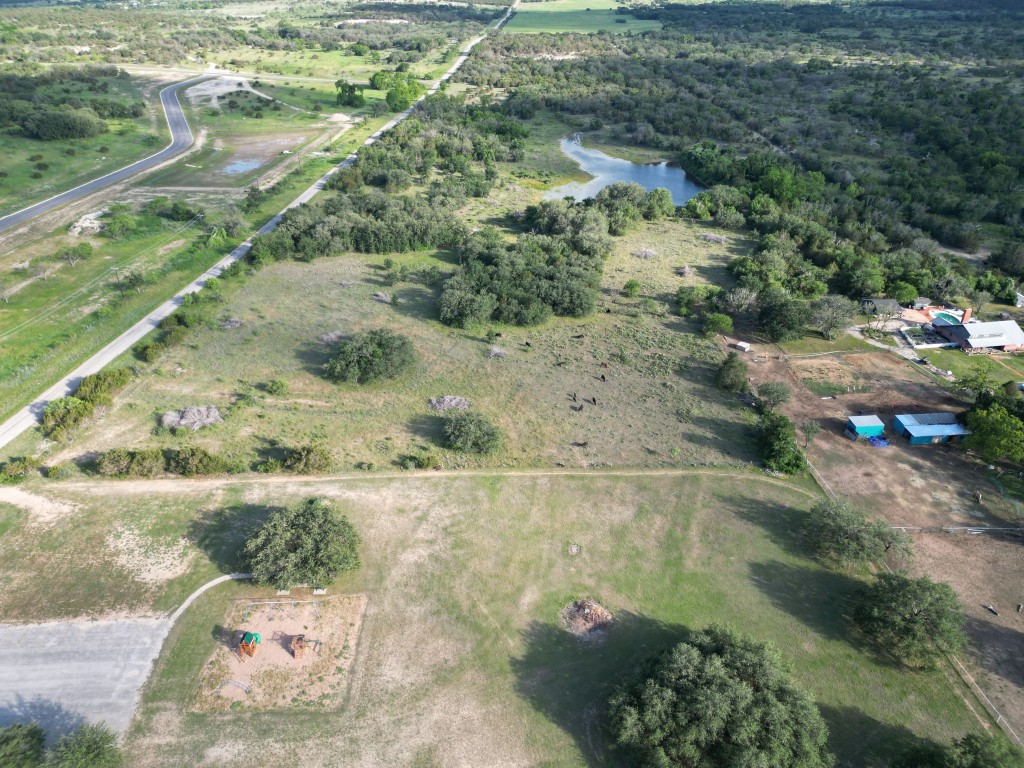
pixel 462 654
pixel 582 16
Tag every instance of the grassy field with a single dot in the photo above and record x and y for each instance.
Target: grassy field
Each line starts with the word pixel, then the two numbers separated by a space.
pixel 52 324
pixel 75 161
pixel 655 408
pixel 461 652
pixel 582 16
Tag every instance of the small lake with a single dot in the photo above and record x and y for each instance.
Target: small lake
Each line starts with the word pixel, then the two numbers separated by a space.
pixel 242 165
pixel 607 170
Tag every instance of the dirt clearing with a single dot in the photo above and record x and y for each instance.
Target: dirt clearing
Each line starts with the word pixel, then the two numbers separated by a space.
pixel 306 649
pixel 41 510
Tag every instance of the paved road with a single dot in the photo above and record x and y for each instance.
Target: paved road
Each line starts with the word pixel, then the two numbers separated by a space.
pixel 30 415
pixel 181 139
pixel 62 674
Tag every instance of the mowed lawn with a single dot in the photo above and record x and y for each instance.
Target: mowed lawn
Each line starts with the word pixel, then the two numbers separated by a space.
pixel 582 16
pixel 462 660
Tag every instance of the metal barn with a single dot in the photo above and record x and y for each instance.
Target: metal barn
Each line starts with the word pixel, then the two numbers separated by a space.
pixel 929 428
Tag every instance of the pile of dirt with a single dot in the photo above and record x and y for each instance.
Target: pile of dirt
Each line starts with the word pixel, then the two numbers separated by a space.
pixel 645 253
pixel 231 323
pixel 448 402
pixel 707 237
pixel 497 352
pixel 383 296
pixel 194 417
pixel 587 619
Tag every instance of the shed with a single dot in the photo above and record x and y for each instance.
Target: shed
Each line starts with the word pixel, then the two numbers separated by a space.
pixel 742 346
pixel 922 302
pixel 878 306
pixel 928 428
pixel 864 426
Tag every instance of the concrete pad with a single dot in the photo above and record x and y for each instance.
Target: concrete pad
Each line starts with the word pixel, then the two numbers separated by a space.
pixel 62 674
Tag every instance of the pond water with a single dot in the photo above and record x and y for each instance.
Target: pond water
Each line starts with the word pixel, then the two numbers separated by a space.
pixel 242 165
pixel 607 170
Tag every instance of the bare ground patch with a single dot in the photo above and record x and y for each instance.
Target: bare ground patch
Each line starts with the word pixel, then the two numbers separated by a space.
pixel 281 674
pixel 148 562
pixel 42 510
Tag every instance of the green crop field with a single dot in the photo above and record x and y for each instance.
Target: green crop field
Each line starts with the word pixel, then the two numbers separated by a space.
pixel 465 578
pixel 582 16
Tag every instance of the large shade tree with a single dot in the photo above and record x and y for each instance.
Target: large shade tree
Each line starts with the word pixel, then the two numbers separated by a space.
pixel 915 620
pixel 309 544
pixel 719 700
pixel 842 535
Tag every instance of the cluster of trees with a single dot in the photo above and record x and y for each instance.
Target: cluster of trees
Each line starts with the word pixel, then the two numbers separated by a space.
pixel 30 103
pixel 996 419
pixel 23 745
pixel 554 270
pixel 402 86
pixel 308 544
pixel 63 415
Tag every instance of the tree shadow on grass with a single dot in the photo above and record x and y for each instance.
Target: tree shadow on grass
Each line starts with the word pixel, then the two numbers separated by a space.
pixel 782 523
pixel 428 427
pixel 998 649
pixel 314 356
pixel 569 682
pixel 51 715
pixel 417 301
pixel 860 741
pixel 221 533
pixel 820 599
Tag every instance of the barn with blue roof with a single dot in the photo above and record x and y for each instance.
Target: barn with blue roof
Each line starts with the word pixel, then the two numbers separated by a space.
pixel 929 428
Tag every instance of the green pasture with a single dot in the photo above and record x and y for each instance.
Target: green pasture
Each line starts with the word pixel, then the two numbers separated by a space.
pixel 581 16
pixel 465 579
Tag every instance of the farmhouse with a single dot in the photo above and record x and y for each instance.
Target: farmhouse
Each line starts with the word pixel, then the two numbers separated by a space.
pixel 927 428
pixel 1002 335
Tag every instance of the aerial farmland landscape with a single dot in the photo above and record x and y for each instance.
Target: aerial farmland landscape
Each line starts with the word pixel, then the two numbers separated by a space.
pixel 512 383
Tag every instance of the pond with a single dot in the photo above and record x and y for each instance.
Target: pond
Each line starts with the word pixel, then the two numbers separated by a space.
pixel 607 170
pixel 242 165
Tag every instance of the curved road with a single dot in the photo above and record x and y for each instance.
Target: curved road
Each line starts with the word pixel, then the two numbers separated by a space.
pixel 181 139
pixel 32 413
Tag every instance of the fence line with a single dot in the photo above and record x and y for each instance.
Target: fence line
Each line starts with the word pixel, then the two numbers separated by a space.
pixel 976 689
pixel 960 669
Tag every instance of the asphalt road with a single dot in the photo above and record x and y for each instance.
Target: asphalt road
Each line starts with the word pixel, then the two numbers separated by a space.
pixel 31 414
pixel 181 139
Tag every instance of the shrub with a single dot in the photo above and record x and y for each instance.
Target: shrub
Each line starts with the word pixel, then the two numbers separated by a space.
pixel 62 415
pixel 308 459
pixel 776 437
pixel 716 323
pixel 123 462
pixel 370 356
pixel 772 394
pixel 276 387
pixel 60 471
pixel 17 469
pixel 150 351
pixel 91 745
pixel 193 460
pixel 21 745
pixel 470 432
pixel 631 288
pixel 99 388
pixel 732 374
pixel 310 544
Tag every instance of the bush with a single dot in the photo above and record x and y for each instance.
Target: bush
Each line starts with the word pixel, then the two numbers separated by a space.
pixel 631 289
pixel 772 394
pixel 60 471
pixel 308 459
pixel 62 415
pixel 732 374
pixel 716 323
pixel 370 356
pixel 16 470
pixel 193 460
pixel 776 438
pixel 99 388
pixel 310 544
pixel 123 462
pixel 21 745
pixel 971 751
pixel 94 746
pixel 150 351
pixel 719 700
pixel 470 432
pixel 276 387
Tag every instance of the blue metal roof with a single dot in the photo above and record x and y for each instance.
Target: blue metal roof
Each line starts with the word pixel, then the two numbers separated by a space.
pixel 866 421
pixel 935 430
